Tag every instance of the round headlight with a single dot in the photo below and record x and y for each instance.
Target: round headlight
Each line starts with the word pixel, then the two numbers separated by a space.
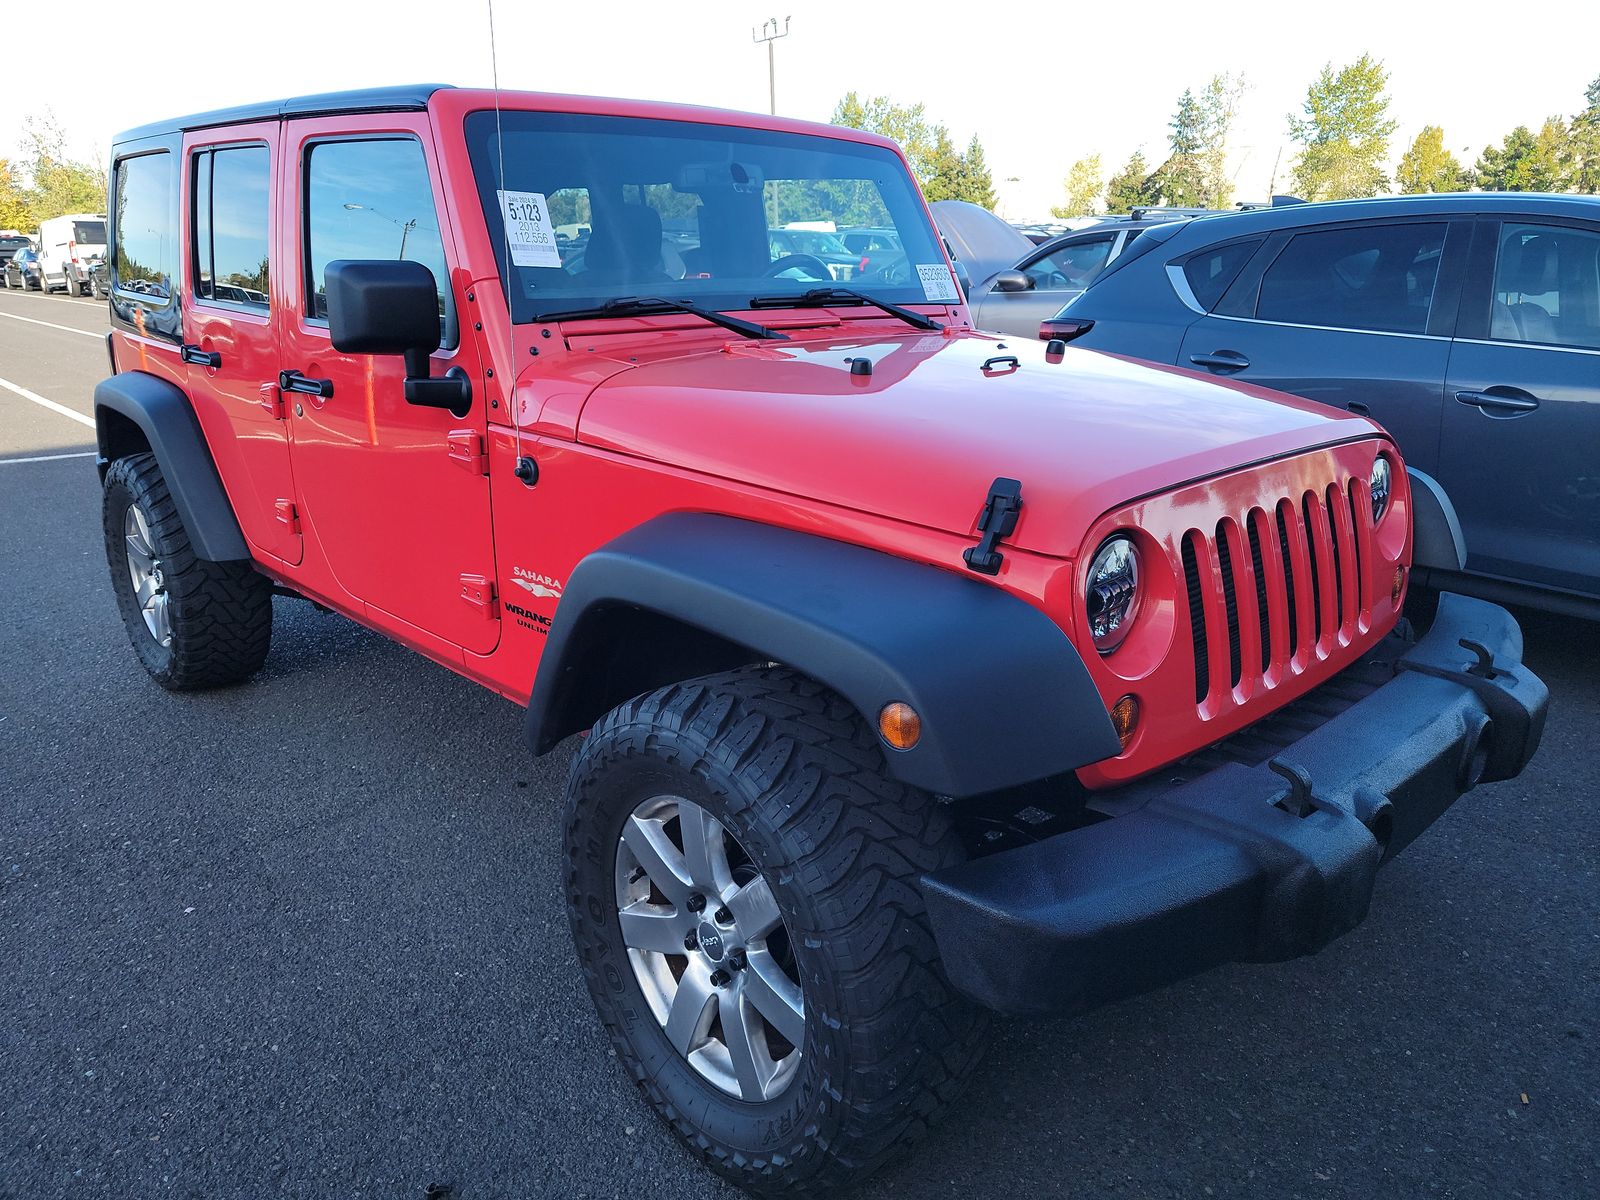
pixel 1112 592
pixel 1378 484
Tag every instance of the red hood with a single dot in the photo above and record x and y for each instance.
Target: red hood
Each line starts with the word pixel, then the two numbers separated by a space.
pixel 923 437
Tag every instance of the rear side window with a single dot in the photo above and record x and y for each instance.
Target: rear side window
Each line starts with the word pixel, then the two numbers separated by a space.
pixel 89 233
pixel 145 258
pixel 231 215
pixel 1211 271
pixel 372 200
pixel 1547 286
pixel 1373 277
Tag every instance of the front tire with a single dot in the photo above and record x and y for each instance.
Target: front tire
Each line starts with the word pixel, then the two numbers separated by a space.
pixel 193 623
pixel 743 891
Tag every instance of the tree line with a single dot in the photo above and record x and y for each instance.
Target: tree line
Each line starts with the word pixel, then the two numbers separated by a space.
pixel 45 180
pixel 1342 135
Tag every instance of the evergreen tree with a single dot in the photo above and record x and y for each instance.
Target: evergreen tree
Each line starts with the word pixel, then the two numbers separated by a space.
pixel 1182 176
pixel 1585 144
pixel 1133 186
pixel 977 182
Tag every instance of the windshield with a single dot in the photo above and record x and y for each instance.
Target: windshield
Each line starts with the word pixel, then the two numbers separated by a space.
pixel 89 233
pixel 608 207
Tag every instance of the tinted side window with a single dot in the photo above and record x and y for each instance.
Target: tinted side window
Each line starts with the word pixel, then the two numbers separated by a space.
pixel 1547 286
pixel 1211 271
pixel 1377 277
pixel 1072 266
pixel 372 199
pixel 145 258
pixel 231 213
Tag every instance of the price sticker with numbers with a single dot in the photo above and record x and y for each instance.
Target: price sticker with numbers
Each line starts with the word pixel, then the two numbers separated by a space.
pixel 528 229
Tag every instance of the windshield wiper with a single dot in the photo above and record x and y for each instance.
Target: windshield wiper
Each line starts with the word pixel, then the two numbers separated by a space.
pixel 818 297
pixel 647 306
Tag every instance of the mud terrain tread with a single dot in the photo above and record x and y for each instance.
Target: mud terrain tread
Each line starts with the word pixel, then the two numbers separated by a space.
pixel 221 613
pixel 804 760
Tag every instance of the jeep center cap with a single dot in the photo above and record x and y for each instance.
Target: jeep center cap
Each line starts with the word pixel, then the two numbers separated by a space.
pixel 711 941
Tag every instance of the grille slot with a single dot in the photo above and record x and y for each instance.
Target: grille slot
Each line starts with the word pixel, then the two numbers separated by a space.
pixel 1261 589
pixel 1363 601
pixel 1313 552
pixel 1197 618
pixel 1288 578
pixel 1230 602
pixel 1338 557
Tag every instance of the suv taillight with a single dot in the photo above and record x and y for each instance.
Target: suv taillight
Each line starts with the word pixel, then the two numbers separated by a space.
pixel 1063 328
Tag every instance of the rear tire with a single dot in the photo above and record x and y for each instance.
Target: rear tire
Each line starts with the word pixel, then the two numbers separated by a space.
pixel 193 623
pixel 868 1044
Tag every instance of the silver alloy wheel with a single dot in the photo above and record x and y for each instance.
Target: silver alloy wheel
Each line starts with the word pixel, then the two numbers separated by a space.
pixel 147 575
pixel 709 948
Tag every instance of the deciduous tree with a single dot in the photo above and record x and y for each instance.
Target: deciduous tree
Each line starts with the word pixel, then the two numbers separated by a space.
pixel 1427 166
pixel 944 172
pixel 1344 133
pixel 1083 184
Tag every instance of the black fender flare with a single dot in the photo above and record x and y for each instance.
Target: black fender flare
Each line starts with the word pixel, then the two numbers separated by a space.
pixel 164 416
pixel 1004 696
pixel 1437 542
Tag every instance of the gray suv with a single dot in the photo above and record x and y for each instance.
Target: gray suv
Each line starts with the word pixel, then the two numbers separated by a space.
pixel 1468 325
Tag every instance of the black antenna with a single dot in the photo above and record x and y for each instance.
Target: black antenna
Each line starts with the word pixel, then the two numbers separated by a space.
pixel 510 388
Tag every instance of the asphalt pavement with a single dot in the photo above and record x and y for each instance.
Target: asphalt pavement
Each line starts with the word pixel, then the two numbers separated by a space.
pixel 304 938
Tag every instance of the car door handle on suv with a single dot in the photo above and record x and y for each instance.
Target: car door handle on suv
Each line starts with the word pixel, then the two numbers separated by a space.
pixel 199 357
pixel 1222 360
pixel 293 381
pixel 1497 401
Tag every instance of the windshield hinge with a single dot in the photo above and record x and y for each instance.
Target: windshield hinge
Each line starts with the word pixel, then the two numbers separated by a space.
pixel 996 521
pixel 466 451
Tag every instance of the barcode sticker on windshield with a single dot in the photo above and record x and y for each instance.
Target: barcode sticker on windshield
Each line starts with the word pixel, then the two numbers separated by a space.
pixel 937 282
pixel 528 229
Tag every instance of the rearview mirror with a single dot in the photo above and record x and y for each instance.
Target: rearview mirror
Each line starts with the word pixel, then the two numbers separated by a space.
pixel 383 306
pixel 1013 281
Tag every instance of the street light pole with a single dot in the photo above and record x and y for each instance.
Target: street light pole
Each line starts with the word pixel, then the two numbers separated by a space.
pixel 770 33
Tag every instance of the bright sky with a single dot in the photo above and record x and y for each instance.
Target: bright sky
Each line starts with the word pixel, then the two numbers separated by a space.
pixel 1039 90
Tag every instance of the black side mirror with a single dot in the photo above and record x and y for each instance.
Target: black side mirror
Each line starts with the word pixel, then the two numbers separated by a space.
pixel 381 306
pixel 1013 281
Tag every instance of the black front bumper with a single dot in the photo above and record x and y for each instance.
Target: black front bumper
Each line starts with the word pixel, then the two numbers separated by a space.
pixel 1246 863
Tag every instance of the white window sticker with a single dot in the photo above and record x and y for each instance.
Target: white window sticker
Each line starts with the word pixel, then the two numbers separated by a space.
pixel 528 229
pixel 937 282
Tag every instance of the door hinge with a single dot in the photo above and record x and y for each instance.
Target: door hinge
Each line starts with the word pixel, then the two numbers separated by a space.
pixel 478 591
pixel 272 400
pixel 288 515
pixel 996 521
pixel 466 450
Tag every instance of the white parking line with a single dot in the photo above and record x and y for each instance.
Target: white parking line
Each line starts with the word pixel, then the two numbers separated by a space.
pixel 71 414
pixel 11 462
pixel 53 325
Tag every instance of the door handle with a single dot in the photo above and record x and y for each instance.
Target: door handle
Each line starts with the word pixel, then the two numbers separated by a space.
pixel 293 381
pixel 1222 360
pixel 1506 400
pixel 199 357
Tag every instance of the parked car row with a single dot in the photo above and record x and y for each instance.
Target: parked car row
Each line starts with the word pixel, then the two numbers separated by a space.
pixel 1468 325
pixel 69 256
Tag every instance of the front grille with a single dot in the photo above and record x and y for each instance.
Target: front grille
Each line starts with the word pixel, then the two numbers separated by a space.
pixel 1300 563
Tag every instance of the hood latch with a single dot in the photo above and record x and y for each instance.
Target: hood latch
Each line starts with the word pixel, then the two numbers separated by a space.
pixel 997 520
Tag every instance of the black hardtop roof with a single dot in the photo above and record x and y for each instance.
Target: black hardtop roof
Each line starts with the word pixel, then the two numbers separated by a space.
pixel 406 98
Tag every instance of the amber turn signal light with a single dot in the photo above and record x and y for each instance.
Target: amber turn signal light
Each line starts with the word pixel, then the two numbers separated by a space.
pixel 1125 719
pixel 899 725
pixel 1398 586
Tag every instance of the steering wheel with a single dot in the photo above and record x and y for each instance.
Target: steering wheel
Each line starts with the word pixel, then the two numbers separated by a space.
pixel 808 262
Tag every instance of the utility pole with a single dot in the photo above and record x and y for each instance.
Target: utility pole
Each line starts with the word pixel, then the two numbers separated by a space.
pixel 769 33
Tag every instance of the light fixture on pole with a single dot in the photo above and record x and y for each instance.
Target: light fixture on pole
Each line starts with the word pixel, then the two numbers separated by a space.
pixel 769 33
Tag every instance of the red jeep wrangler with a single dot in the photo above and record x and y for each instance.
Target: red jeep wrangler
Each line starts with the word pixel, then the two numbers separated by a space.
pixel 923 673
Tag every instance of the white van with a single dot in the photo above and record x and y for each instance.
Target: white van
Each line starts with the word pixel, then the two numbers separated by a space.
pixel 66 244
